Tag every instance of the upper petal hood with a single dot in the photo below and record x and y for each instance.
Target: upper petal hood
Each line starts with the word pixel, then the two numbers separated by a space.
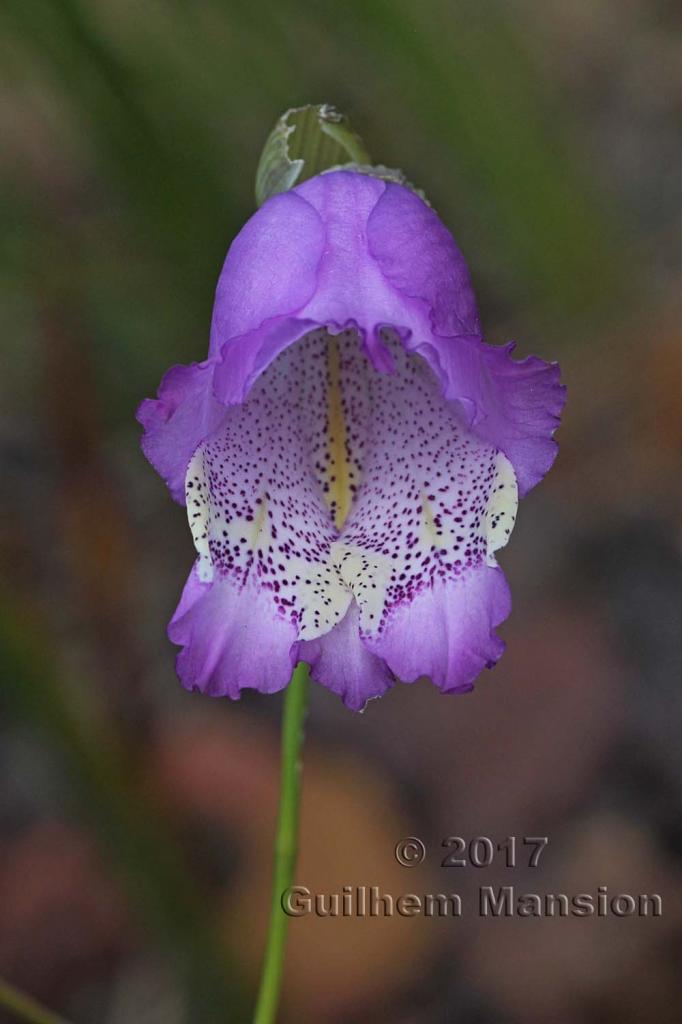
pixel 346 249
pixel 342 248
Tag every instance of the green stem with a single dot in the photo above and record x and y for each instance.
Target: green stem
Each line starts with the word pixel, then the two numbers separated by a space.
pixel 286 843
pixel 25 1007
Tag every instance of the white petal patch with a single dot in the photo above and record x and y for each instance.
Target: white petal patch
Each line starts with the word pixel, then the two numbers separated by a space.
pixel 198 499
pixel 500 515
pixel 366 575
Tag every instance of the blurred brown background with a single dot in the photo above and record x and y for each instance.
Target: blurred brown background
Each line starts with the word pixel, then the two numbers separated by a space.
pixel 136 820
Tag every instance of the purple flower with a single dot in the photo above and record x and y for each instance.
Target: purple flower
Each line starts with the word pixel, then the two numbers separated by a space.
pixel 350 452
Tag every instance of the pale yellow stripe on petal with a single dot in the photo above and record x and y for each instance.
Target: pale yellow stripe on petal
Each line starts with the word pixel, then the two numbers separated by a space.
pixel 339 496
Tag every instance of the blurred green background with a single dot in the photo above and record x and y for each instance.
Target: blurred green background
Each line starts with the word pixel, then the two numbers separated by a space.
pixel 136 820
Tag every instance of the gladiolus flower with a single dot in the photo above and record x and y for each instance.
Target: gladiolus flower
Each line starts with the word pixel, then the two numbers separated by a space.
pixel 350 453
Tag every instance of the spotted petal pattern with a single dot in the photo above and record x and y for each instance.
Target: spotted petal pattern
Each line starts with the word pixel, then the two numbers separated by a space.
pixel 435 502
pixel 338 494
pixel 255 493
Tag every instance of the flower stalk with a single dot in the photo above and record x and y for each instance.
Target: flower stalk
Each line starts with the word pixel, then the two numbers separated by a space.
pixel 286 843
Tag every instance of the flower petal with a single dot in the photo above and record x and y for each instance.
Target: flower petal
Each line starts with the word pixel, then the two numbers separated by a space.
pixel 516 404
pixel 448 631
pixel 245 357
pixel 344 664
pixel 271 268
pixel 178 420
pixel 418 257
pixel 231 640
pixel 350 285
